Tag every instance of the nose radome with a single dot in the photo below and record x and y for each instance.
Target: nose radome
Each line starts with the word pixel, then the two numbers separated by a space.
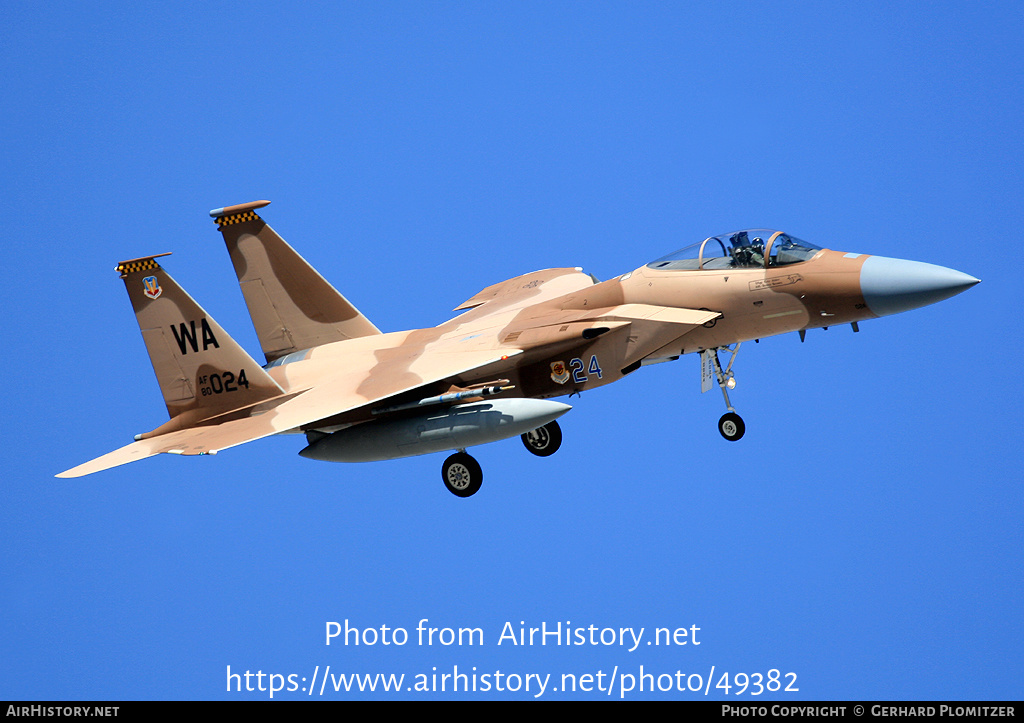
pixel 890 286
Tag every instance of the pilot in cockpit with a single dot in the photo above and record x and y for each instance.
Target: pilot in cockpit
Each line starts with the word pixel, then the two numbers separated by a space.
pixel 757 252
pixel 746 252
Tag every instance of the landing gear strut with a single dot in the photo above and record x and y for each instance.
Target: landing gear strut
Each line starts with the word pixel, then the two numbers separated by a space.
pixel 731 425
pixel 462 474
pixel 543 441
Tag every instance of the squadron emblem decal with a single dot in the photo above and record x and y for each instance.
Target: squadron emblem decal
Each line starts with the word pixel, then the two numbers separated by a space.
pixel 559 372
pixel 151 287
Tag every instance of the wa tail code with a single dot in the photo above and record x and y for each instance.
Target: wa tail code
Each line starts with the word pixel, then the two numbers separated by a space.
pixel 186 336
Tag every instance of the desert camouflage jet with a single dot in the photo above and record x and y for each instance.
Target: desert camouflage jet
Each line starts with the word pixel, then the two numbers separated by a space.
pixel 360 395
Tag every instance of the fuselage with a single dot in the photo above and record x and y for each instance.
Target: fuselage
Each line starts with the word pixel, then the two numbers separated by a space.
pixel 574 334
pixel 488 373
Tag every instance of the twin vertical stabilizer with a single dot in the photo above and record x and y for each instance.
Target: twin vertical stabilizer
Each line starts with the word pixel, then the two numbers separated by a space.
pixel 292 306
pixel 216 394
pixel 201 370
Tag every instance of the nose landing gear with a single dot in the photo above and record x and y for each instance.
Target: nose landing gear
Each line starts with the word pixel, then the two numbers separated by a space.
pixel 731 425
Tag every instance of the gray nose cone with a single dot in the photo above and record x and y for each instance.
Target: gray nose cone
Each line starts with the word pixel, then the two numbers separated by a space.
pixel 890 286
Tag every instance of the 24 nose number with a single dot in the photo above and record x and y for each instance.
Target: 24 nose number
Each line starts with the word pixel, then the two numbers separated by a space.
pixel 581 372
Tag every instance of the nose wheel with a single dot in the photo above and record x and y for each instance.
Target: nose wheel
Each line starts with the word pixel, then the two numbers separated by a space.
pixel 731 425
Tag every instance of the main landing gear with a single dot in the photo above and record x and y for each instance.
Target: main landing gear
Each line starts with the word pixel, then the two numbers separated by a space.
pixel 462 474
pixel 731 425
pixel 543 441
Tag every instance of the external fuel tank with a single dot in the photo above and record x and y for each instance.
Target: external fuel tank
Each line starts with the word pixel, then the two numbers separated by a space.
pixel 437 430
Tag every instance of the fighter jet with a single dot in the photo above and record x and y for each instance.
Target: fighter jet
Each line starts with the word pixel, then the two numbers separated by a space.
pixel 493 371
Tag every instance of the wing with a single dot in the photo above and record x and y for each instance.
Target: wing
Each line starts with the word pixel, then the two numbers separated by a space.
pixel 344 392
pixel 529 289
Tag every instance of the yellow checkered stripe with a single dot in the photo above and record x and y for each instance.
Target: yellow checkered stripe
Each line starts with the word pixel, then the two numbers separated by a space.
pixel 130 267
pixel 237 218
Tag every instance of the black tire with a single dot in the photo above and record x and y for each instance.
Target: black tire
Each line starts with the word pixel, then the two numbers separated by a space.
pixel 462 475
pixel 731 426
pixel 543 441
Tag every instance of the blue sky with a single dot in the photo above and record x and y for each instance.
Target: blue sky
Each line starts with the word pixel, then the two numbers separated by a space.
pixel 864 535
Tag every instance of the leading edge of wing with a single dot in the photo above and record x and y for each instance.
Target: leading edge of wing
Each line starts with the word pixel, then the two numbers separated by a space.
pixel 334 397
pixel 530 288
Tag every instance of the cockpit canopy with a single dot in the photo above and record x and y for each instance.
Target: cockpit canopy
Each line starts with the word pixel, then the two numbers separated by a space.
pixel 751 248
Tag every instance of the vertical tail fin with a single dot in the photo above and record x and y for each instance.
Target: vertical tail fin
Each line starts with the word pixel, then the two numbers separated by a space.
pixel 292 306
pixel 199 367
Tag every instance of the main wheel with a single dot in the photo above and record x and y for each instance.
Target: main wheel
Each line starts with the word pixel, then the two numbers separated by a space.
pixel 462 475
pixel 544 441
pixel 731 426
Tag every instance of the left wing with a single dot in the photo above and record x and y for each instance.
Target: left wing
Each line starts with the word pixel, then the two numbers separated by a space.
pixel 342 393
pixel 529 288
